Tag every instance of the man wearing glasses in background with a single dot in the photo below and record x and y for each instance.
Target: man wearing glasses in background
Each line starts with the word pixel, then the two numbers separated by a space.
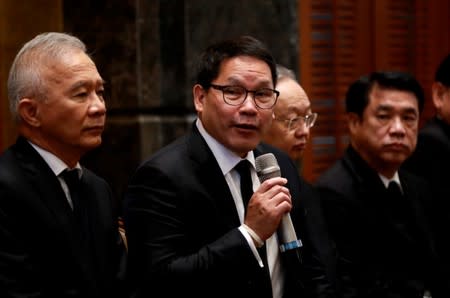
pixel 292 116
pixel 190 231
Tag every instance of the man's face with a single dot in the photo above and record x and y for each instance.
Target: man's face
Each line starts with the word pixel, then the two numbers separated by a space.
pixel 72 116
pixel 387 133
pixel 441 100
pixel 292 102
pixel 239 128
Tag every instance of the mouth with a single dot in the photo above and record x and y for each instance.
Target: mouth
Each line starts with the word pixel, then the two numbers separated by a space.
pixel 396 147
pixel 246 126
pixel 300 146
pixel 94 129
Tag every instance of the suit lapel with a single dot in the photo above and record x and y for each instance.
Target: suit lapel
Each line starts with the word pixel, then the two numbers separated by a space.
pixel 412 196
pixel 48 189
pixel 44 182
pixel 439 130
pixel 372 192
pixel 208 169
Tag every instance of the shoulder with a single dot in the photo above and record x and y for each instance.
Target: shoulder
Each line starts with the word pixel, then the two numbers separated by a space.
pixel 432 151
pixel 433 131
pixel 183 158
pixel 337 183
pixel 7 164
pixel 12 178
pixel 333 176
pixel 17 165
pixel 171 155
pixel 91 177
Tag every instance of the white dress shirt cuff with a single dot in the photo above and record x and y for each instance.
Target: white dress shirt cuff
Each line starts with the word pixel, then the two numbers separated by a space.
pixel 251 243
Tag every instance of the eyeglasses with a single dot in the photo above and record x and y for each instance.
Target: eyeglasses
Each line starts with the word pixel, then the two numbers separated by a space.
pixel 264 98
pixel 294 123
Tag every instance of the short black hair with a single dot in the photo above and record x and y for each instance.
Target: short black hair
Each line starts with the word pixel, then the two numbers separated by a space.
pixel 210 60
pixel 357 97
pixel 443 72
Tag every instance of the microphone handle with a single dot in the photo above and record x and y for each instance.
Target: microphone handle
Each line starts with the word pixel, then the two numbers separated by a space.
pixel 286 234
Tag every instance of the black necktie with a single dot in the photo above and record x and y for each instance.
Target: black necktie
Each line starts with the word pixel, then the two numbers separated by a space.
pixel 243 168
pixel 73 183
pixel 406 242
pixel 81 226
pixel 397 206
pixel 394 189
pixel 395 196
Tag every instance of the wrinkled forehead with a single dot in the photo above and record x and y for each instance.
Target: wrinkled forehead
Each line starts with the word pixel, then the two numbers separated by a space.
pixel 289 109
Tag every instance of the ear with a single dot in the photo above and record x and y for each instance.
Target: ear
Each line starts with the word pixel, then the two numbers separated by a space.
pixel 199 97
pixel 28 110
pixel 438 90
pixel 353 121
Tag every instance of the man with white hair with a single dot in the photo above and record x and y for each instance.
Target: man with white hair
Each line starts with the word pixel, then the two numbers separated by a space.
pixel 57 228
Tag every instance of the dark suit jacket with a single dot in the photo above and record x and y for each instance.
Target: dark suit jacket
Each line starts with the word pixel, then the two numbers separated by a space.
pixel 377 258
pixel 40 254
pixel 431 161
pixel 181 224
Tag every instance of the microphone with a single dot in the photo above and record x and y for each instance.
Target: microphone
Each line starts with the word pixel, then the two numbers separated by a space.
pixel 267 167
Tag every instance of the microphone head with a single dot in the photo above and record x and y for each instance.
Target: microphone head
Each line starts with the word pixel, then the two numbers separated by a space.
pixel 267 167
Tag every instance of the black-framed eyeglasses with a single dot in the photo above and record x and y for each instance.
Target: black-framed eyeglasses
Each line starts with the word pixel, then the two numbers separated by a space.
pixel 294 123
pixel 264 98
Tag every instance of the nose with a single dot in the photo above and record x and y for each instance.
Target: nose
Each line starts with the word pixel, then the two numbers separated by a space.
pixel 97 106
pixel 249 101
pixel 397 126
pixel 302 130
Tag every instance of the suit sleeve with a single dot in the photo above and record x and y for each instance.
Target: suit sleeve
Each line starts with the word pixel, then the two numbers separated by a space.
pixel 16 269
pixel 346 251
pixel 169 243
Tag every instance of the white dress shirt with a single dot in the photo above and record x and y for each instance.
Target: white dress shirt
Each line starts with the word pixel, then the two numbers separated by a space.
pixel 394 178
pixel 57 166
pixel 227 160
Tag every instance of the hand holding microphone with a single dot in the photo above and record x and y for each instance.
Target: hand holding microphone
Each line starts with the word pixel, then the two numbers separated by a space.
pixel 266 168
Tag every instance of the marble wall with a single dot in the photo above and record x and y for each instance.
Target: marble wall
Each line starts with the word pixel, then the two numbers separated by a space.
pixel 146 52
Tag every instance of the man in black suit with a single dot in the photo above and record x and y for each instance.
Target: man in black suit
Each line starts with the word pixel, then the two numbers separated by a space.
pixel 58 237
pixel 373 209
pixel 189 232
pixel 431 159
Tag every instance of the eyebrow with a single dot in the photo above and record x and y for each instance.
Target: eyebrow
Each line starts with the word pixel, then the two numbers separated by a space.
pixel 236 81
pixel 384 107
pixel 296 110
pixel 411 110
pixel 84 83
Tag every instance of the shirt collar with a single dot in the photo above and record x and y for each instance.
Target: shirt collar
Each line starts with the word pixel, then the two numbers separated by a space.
pixel 54 162
pixel 226 159
pixel 386 181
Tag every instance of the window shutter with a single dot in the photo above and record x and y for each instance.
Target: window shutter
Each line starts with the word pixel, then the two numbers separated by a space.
pixel 334 51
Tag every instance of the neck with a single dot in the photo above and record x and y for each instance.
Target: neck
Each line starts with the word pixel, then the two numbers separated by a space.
pixel 68 156
pixel 388 170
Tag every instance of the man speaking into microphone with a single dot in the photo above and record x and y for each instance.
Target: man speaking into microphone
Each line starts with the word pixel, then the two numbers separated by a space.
pixel 199 221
